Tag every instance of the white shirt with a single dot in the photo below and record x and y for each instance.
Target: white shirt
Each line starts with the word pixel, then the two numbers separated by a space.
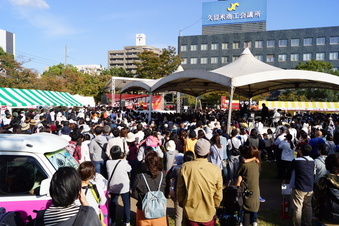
pixel 120 183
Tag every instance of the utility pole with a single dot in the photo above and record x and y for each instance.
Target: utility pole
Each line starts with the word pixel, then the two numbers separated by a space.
pixel 66 56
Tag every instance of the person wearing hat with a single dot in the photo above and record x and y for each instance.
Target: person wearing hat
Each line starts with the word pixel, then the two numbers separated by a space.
pixel 132 155
pixel 33 125
pixel 170 154
pixel 25 128
pixel 200 204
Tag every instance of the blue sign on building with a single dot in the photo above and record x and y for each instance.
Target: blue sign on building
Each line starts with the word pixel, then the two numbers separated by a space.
pixel 233 12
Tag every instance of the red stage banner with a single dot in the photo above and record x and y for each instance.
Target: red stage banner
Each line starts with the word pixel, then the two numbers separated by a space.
pixel 134 101
pixel 224 104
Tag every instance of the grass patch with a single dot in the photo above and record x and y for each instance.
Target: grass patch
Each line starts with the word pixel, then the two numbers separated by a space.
pixel 271 217
pixel 268 171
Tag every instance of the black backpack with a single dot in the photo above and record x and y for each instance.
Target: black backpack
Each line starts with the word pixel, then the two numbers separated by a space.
pixel 11 218
pixel 331 209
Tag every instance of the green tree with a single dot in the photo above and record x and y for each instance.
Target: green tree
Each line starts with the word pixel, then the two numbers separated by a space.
pixel 312 94
pixel 156 66
pixel 116 72
pixel 313 65
pixel 14 75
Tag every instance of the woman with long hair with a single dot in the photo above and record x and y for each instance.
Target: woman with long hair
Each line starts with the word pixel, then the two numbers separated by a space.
pixel 249 173
pixel 216 151
pixel 154 176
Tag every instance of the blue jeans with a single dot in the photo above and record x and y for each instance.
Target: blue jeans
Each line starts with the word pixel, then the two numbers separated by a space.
pixel 113 205
pixel 99 165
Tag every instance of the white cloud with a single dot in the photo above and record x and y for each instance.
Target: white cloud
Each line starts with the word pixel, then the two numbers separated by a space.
pixel 41 4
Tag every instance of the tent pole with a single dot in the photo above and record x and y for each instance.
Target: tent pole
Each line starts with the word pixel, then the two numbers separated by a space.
pixel 113 91
pixel 230 109
pixel 150 108
pixel 120 101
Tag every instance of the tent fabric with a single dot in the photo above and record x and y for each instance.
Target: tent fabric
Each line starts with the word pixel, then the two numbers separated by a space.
pixel 302 106
pixel 29 97
pixel 248 75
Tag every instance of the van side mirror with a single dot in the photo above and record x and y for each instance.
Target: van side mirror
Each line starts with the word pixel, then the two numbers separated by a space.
pixel 44 187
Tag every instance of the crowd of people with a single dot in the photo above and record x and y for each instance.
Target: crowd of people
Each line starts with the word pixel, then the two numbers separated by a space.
pixel 192 158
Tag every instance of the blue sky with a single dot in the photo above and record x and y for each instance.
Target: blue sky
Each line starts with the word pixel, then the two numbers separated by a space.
pixel 91 28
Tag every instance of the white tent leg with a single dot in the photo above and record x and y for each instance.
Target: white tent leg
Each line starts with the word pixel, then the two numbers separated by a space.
pixel 232 88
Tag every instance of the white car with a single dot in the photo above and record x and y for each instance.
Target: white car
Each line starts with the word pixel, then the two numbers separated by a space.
pixel 27 164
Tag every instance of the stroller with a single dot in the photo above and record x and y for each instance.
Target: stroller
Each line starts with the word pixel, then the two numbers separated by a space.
pixel 231 209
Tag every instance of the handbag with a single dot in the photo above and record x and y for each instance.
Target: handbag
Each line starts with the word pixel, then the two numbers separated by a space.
pixel 223 161
pixel 154 203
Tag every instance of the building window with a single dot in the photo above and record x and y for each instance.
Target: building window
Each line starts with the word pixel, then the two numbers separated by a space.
pixel 203 46
pixel 248 44
pixel 283 43
pixel 307 56
pixel 214 46
pixel 234 58
pixel 259 44
pixel 333 56
pixel 295 42
pixel 184 61
pixel 194 47
pixel 320 41
pixel 194 60
pixel 224 60
pixel 270 58
pixel 203 60
pixel 295 57
pixel 183 48
pixel 282 57
pixel 320 56
pixel 270 43
pixel 334 40
pixel 260 57
pixel 236 45
pixel 224 45
pixel 214 60
pixel 307 41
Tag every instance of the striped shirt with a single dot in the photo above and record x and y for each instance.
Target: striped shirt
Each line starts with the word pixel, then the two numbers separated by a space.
pixel 57 214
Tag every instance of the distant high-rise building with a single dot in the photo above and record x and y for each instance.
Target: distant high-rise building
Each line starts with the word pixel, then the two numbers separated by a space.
pixel 228 27
pixel 7 41
pixel 140 40
pixel 127 57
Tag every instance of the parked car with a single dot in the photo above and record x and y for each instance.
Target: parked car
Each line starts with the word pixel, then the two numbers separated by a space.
pixel 27 163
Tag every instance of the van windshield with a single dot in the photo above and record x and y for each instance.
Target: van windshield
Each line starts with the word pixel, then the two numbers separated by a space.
pixel 61 158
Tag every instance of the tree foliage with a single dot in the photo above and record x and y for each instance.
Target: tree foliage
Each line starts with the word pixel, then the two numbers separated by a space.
pixel 156 66
pixel 312 94
pixel 13 75
pixel 116 72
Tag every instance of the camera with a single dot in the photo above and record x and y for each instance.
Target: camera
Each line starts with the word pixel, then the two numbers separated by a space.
pixel 248 193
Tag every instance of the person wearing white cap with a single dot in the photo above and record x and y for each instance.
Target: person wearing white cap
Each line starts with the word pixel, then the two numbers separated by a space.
pixel 170 154
pixel 200 204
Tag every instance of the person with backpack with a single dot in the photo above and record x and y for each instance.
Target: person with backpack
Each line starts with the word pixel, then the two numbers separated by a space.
pixel 151 181
pixel 171 182
pixel 233 146
pixel 325 200
pixel 95 195
pixel 118 184
pixel 97 149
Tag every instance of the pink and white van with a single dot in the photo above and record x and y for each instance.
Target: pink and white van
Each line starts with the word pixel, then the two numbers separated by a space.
pixel 27 164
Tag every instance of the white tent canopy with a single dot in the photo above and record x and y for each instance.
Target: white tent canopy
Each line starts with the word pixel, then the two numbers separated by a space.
pixel 246 76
